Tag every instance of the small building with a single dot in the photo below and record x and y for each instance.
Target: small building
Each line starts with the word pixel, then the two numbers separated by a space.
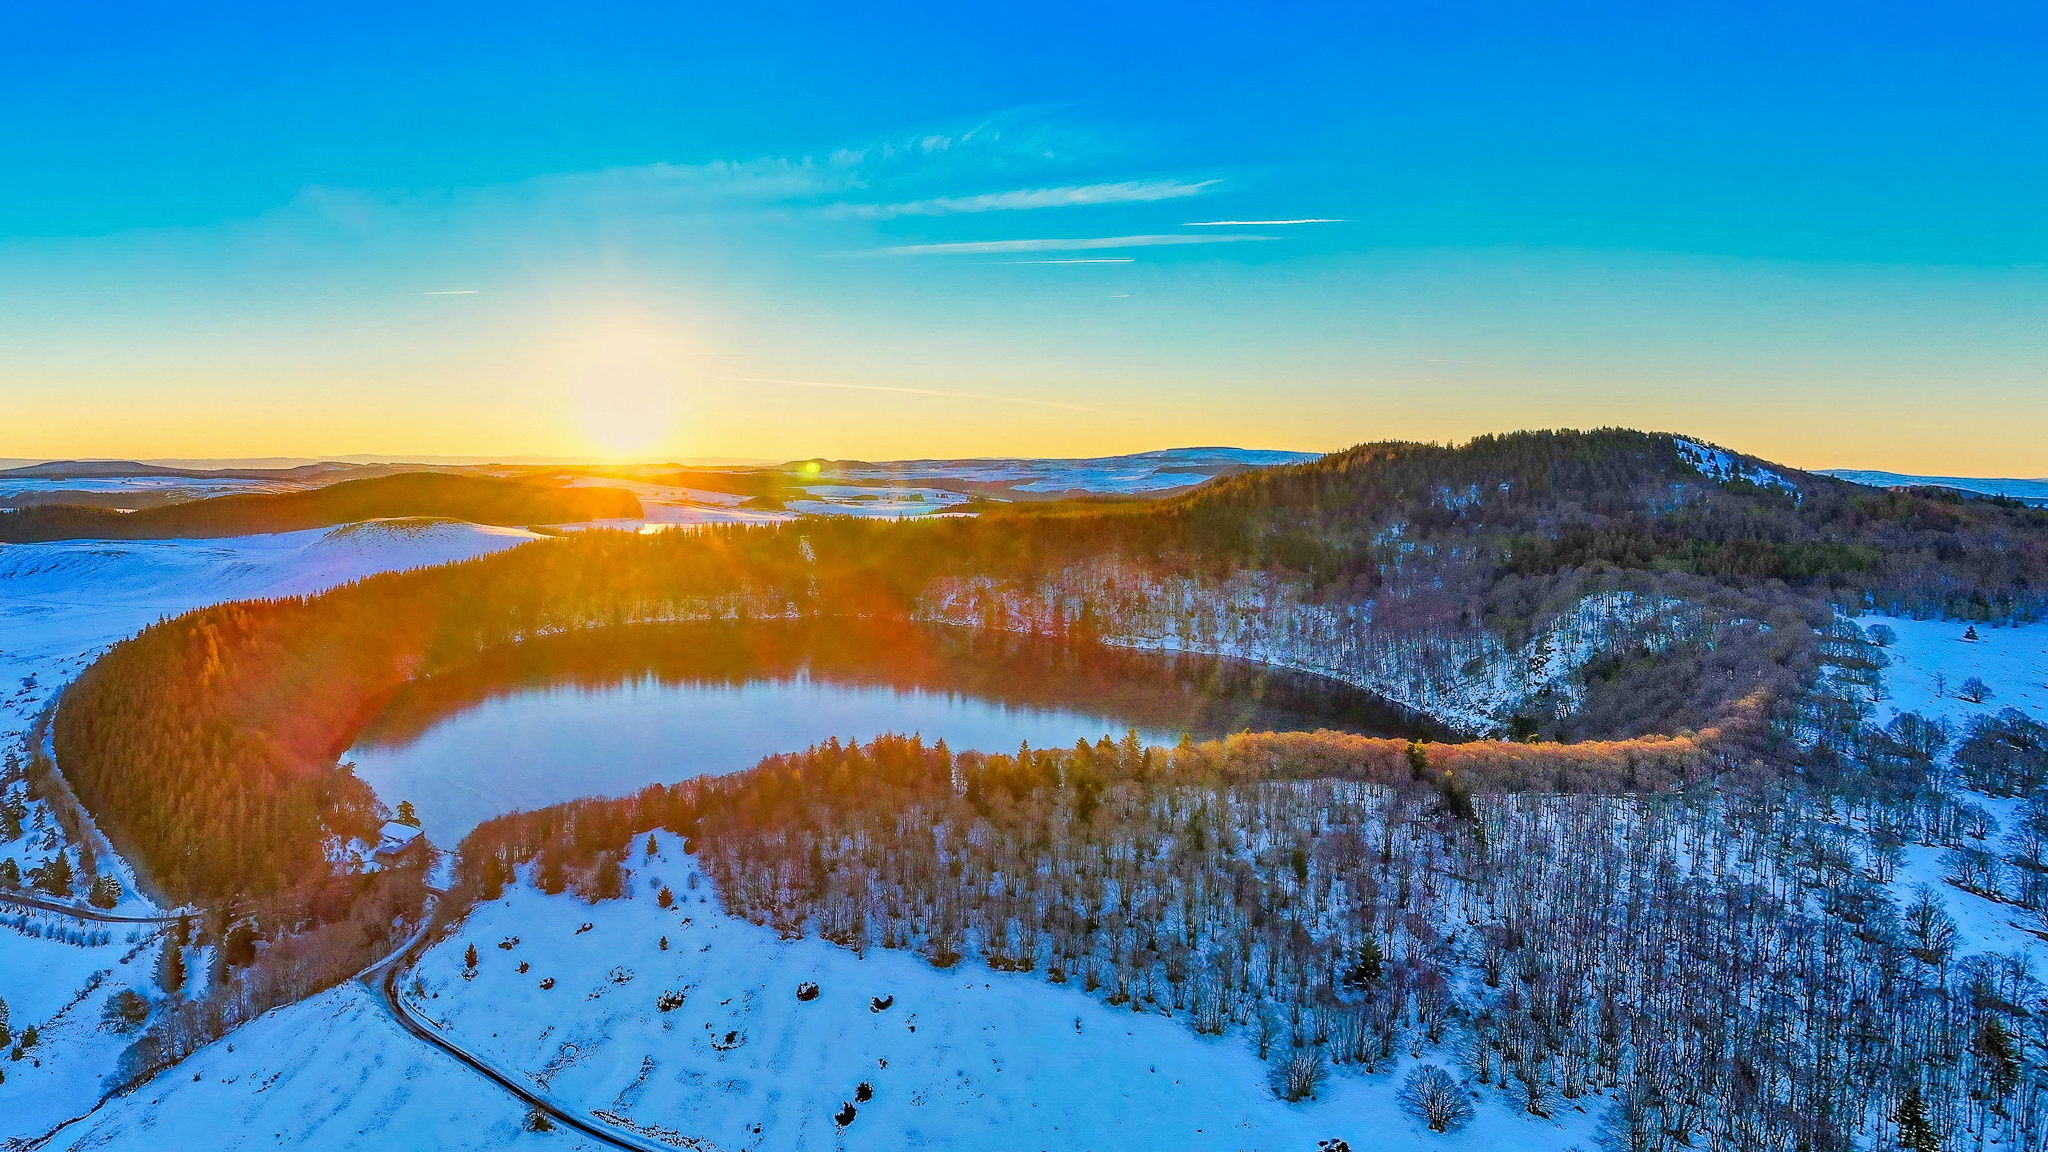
pixel 399 846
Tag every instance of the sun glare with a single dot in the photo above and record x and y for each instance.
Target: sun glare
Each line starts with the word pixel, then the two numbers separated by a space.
pixel 625 389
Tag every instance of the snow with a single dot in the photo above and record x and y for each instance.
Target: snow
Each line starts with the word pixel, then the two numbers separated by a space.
pixel 2013 661
pixel 61 988
pixel 180 487
pixel 1718 464
pixel 332 1072
pixel 2032 491
pixel 974 1059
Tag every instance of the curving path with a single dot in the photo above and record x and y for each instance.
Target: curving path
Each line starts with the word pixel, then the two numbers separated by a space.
pixel 384 976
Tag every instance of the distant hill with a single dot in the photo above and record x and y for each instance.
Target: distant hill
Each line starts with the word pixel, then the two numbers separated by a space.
pixel 2033 492
pixel 479 499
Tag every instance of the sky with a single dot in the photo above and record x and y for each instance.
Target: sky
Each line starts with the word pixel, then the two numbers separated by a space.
pixel 1814 232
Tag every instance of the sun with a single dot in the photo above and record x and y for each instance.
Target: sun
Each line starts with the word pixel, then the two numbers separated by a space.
pixel 625 387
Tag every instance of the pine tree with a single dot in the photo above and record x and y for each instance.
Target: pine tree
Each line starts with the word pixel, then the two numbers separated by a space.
pixel 1996 1058
pixel 652 847
pixel 56 879
pixel 406 815
pixel 469 957
pixel 1916 1133
pixel 611 880
pixel 492 885
pixel 1418 760
pixel 172 973
pixel 106 892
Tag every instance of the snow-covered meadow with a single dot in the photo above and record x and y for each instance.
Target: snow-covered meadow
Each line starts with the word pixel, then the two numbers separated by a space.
pixel 959 1058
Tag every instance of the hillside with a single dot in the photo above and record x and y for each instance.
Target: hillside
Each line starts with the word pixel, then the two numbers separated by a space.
pixel 478 499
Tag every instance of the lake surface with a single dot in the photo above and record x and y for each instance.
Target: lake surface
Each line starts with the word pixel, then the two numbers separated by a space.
pixel 606 713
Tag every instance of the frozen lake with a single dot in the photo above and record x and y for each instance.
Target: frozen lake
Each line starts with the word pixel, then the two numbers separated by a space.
pixel 600 714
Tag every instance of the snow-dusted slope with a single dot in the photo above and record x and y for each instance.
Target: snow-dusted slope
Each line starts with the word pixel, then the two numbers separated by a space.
pixel 331 1072
pixel 2032 491
pixel 964 1058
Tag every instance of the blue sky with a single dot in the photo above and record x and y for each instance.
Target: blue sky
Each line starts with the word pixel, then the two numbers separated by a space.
pixel 1815 232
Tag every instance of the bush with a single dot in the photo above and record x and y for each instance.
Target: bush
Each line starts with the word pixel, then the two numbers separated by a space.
pixel 1882 635
pixel 126 1010
pixel 1434 1097
pixel 1299 1072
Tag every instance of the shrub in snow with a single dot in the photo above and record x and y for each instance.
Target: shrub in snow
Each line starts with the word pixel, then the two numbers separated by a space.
pixel 547 983
pixel 523 967
pixel 620 975
pixel 537 1120
pixel 582 928
pixel 844 1116
pixel 1434 1097
pixel 807 991
pixel 669 1001
pixel 1298 1072
pixel 509 943
pixel 881 1003
pixel 664 943
pixel 864 1093
pixel 126 1011
pixel 731 1040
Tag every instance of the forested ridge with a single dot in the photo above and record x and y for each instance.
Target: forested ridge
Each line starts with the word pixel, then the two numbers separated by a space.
pixel 206 743
pixel 479 499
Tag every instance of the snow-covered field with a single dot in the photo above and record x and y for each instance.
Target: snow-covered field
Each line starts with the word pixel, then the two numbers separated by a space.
pixel 964 1058
pixel 1931 659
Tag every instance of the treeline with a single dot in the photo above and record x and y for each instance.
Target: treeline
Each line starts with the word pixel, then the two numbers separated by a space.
pixel 1726 966
pixel 480 499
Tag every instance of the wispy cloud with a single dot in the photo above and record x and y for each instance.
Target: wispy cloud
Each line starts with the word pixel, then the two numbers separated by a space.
pixel 907 391
pixel 452 292
pixel 1259 223
pixel 1070 260
pixel 995 247
pixel 1026 199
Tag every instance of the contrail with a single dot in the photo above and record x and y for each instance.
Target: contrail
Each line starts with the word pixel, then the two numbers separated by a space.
pixel 907 391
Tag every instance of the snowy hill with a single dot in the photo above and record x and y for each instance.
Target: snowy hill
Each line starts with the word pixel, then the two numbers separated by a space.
pixel 2032 491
